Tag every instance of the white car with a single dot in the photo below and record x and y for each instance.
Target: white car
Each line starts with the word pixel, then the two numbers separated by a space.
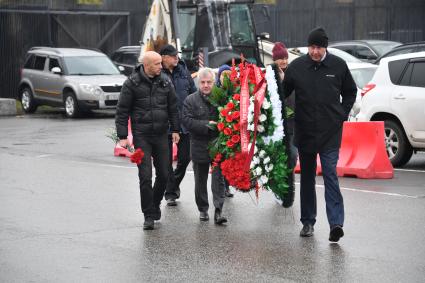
pixel 396 95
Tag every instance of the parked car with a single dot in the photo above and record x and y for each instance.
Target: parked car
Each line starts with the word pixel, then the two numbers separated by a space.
pixel 404 49
pixel 126 57
pixel 77 79
pixel 396 95
pixel 366 50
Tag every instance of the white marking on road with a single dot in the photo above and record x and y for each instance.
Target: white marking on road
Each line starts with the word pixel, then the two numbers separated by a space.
pixel 43 155
pixel 410 170
pixel 372 192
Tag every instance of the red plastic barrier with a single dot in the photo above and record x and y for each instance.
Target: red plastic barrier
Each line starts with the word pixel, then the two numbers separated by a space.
pixel 362 153
pixel 121 151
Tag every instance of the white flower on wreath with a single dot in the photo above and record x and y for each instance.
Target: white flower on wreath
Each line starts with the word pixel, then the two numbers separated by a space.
pixel 265 105
pixel 266 160
pixel 264 179
pixel 256 160
pixel 269 167
pixel 262 154
pixel 258 171
pixel 260 128
pixel 263 118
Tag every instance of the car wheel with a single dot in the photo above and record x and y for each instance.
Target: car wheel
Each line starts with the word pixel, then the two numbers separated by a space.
pixel 71 105
pixel 27 100
pixel 398 147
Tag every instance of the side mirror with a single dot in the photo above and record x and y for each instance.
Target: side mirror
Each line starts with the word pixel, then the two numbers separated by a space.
pixel 121 68
pixel 56 70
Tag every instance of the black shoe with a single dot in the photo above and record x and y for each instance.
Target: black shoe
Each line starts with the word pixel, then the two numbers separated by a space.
pixel 203 216
pixel 149 224
pixel 228 194
pixel 157 214
pixel 307 230
pixel 171 202
pixel 336 233
pixel 218 219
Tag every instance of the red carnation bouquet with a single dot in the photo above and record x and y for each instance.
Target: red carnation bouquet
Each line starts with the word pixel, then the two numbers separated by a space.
pixel 137 156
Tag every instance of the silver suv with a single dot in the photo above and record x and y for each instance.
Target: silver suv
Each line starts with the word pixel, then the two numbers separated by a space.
pixel 77 79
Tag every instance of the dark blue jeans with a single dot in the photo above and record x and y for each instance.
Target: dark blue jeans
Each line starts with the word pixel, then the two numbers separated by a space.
pixel 333 196
pixel 156 149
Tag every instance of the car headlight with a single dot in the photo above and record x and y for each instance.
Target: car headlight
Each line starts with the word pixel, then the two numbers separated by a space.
pixel 92 89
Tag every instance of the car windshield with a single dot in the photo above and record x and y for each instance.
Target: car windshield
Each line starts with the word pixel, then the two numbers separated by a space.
pixel 241 25
pixel 362 76
pixel 384 47
pixel 89 66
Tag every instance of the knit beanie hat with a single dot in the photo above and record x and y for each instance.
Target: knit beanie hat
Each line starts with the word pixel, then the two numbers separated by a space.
pixel 220 70
pixel 279 51
pixel 318 37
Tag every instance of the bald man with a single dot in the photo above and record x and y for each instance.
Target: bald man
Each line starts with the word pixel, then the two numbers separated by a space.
pixel 149 100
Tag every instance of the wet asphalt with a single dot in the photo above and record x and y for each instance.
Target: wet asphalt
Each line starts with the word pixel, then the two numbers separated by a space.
pixel 70 212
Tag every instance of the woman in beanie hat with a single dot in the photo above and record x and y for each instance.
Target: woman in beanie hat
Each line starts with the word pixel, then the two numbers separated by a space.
pixel 280 58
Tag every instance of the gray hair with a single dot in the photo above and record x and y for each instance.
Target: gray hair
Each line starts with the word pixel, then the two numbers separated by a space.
pixel 203 72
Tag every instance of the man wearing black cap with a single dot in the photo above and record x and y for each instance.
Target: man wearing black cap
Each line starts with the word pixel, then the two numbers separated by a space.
pixel 183 83
pixel 324 94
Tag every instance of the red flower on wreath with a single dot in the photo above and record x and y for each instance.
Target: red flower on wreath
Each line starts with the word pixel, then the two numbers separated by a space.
pixel 235 115
pixel 229 118
pixel 230 144
pixel 230 105
pixel 224 112
pixel 234 172
pixel 220 126
pixel 236 127
pixel 227 131
pixel 137 156
pixel 237 96
pixel 235 138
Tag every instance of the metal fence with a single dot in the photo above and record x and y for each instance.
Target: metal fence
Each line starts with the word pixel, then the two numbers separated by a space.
pixel 291 20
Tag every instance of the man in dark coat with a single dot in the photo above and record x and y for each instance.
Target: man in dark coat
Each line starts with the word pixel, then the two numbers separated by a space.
pixel 199 118
pixel 183 84
pixel 148 98
pixel 324 94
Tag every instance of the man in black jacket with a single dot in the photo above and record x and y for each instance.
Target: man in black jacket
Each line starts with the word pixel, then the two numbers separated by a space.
pixel 320 80
pixel 183 84
pixel 148 98
pixel 199 118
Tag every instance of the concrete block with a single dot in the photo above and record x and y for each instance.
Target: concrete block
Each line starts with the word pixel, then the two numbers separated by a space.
pixel 7 107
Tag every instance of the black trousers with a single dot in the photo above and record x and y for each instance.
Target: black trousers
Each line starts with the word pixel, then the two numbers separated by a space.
pixel 176 176
pixel 201 192
pixel 156 149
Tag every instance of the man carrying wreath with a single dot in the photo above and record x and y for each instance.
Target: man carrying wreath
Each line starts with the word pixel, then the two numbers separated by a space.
pixel 199 117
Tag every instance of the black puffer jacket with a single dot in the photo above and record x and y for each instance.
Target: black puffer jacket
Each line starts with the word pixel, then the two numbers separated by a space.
pixel 324 95
pixel 150 103
pixel 197 112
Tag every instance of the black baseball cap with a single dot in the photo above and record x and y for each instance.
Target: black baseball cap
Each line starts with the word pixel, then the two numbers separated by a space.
pixel 168 50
